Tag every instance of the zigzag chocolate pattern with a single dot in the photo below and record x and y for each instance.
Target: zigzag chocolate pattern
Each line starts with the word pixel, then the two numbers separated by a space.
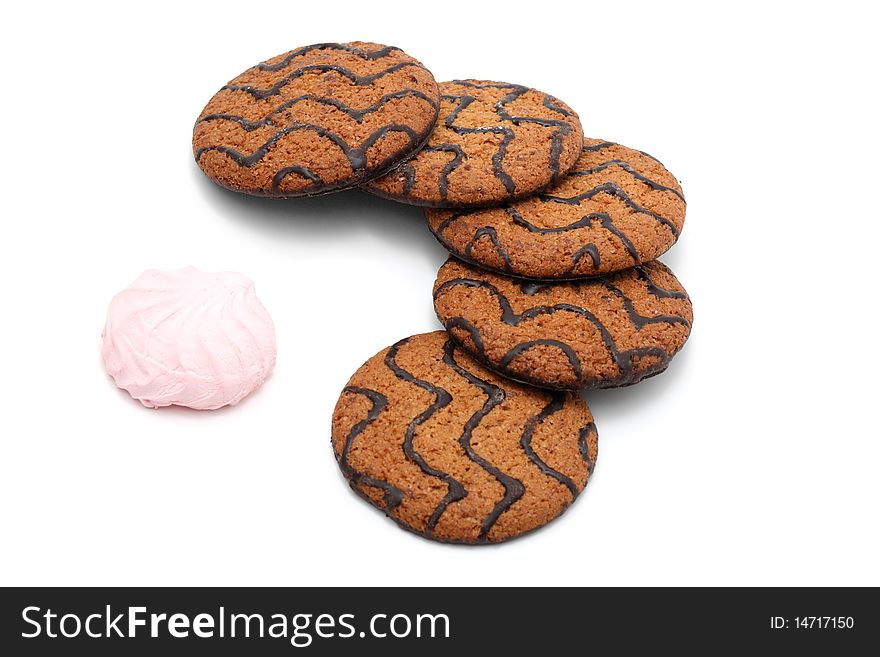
pixel 416 126
pixel 359 80
pixel 441 398
pixel 357 157
pixel 464 316
pixel 630 170
pixel 583 438
pixel 554 406
pixel 494 396
pixel 497 158
pixel 613 222
pixel 612 190
pixel 563 127
pixel 357 114
pixel 393 495
pixel 513 488
pixel 505 127
pixel 360 52
pixel 603 218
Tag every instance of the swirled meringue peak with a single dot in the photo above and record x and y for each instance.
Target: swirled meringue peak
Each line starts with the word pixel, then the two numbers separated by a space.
pixel 188 338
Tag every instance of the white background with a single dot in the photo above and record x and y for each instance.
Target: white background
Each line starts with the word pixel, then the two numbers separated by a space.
pixel 753 460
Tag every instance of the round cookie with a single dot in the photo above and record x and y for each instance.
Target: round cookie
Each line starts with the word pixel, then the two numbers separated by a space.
pixel 454 452
pixel 617 208
pixel 603 332
pixel 316 119
pixel 494 142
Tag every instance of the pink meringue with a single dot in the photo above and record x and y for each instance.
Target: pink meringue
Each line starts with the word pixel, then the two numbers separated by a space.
pixel 189 338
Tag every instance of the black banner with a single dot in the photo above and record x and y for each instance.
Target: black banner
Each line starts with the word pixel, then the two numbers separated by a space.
pixel 334 621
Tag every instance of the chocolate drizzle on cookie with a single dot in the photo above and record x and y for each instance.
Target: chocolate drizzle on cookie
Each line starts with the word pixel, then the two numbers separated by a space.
pixel 357 157
pixel 421 182
pixel 298 135
pixel 494 395
pixel 563 128
pixel 513 488
pixel 393 495
pixel 363 53
pixel 462 315
pixel 441 398
pixel 358 80
pixel 554 406
pixel 358 115
pixel 607 203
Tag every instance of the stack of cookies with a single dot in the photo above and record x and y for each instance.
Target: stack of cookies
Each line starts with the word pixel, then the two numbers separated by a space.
pixel 478 433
